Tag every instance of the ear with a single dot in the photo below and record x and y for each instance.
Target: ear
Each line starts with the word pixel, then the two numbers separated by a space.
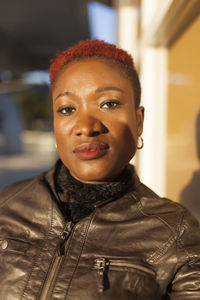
pixel 140 119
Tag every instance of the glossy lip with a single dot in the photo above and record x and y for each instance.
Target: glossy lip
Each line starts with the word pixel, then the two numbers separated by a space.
pixel 88 151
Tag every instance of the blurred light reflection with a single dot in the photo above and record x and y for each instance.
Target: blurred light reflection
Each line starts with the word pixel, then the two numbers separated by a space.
pixel 102 21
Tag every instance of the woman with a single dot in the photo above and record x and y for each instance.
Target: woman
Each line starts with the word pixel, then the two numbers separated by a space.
pixel 88 228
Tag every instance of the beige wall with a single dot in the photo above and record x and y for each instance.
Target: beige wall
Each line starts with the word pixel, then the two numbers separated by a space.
pixel 183 163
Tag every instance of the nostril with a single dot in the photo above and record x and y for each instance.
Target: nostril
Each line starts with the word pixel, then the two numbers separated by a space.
pixel 95 133
pixel 92 134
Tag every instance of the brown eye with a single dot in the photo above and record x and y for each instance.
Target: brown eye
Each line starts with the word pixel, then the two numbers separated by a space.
pixel 111 104
pixel 67 110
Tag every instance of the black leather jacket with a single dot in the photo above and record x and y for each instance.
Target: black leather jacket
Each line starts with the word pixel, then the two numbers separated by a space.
pixel 137 247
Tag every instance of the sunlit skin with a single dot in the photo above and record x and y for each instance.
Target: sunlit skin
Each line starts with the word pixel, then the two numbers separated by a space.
pixel 93 104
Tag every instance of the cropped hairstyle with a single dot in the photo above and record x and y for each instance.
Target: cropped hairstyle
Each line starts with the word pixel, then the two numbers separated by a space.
pixel 98 49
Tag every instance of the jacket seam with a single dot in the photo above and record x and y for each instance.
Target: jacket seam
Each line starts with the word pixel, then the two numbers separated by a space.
pixel 18 191
pixel 86 232
pixel 61 267
pixel 54 252
pixel 161 251
pixel 36 257
pixel 140 207
pixel 180 243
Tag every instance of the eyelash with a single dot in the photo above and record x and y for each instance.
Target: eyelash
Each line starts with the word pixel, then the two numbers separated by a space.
pixel 62 109
pixel 114 104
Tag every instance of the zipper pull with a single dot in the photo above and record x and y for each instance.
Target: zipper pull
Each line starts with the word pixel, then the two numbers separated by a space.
pixel 100 264
pixel 64 236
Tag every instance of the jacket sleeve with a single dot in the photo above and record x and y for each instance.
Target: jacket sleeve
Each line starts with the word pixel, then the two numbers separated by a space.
pixel 186 283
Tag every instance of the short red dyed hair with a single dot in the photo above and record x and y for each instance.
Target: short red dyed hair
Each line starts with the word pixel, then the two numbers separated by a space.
pixel 98 48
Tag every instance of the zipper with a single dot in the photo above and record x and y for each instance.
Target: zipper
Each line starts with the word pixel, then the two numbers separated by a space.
pixel 124 264
pixel 103 264
pixel 63 237
pixel 57 262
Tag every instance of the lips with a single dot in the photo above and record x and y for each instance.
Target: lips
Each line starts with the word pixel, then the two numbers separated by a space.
pixel 88 151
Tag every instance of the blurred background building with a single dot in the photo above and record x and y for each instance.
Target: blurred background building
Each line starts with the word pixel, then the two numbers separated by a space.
pixel 164 38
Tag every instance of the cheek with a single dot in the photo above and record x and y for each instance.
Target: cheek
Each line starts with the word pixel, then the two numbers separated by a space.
pixel 127 142
pixel 124 132
pixel 62 133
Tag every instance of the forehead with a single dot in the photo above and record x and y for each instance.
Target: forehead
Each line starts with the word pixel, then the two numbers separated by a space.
pixel 99 67
pixel 84 78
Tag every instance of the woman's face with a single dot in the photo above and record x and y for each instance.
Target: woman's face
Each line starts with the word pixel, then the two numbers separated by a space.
pixel 95 121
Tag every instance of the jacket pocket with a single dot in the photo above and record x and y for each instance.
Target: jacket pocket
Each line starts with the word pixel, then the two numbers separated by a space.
pixel 9 245
pixel 130 277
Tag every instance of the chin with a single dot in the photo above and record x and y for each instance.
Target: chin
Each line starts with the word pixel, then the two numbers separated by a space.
pixel 90 177
pixel 93 174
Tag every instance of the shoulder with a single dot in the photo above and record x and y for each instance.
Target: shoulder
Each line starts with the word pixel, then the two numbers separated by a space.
pixel 172 221
pixel 17 188
pixel 169 212
pixel 29 205
pixel 26 189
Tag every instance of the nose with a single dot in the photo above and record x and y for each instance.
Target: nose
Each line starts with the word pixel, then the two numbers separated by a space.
pixel 89 126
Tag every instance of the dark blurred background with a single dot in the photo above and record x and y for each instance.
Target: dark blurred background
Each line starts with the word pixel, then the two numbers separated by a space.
pixel 31 32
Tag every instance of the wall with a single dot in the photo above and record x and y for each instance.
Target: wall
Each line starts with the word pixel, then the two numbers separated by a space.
pixel 183 120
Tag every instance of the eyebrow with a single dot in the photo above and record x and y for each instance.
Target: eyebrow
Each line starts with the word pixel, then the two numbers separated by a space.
pixel 108 88
pixel 99 90
pixel 65 94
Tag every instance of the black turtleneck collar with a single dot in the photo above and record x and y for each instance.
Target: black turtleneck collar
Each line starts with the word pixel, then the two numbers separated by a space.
pixel 80 198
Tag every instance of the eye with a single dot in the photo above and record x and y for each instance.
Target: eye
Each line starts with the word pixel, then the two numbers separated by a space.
pixel 110 104
pixel 66 110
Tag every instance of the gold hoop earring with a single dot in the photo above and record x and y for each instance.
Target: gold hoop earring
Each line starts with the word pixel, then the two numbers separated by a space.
pixel 142 143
